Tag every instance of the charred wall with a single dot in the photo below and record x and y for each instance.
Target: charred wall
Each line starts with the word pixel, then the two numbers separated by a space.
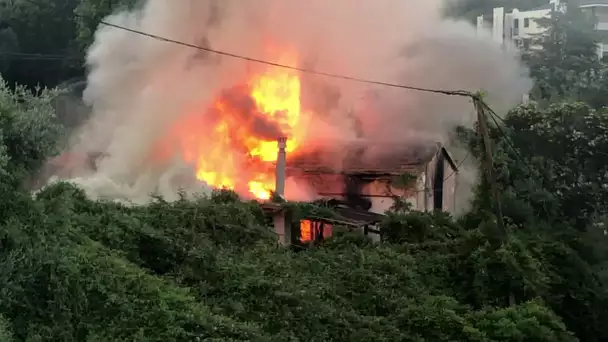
pixel 353 189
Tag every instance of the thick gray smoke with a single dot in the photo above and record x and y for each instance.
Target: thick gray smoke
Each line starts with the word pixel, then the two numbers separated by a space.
pixel 139 87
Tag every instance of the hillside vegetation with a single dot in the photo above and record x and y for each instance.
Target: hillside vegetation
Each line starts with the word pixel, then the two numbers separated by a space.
pixel 79 270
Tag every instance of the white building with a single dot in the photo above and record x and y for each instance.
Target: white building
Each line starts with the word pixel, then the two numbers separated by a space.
pixel 521 26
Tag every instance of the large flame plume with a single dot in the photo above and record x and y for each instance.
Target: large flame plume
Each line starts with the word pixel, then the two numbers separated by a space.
pixel 233 145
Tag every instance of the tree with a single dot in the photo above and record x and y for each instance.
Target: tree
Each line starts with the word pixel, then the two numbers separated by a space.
pixel 568 142
pixel 45 30
pixel 29 130
pixel 6 333
pixel 563 60
pixel 9 45
pixel 91 12
pixel 549 164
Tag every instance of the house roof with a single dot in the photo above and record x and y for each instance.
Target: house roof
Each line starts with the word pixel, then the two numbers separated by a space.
pixel 368 158
pixel 356 217
pixel 271 207
pixel 345 215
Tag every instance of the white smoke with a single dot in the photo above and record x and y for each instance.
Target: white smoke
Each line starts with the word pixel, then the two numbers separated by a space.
pixel 139 86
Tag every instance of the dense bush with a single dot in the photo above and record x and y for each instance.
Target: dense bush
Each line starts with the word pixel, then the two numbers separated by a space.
pixel 211 269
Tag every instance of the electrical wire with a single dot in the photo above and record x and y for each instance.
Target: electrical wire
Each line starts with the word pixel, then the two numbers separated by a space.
pixel 495 117
pixel 310 71
pixel 34 56
pixel 463 93
pixel 454 172
pixel 457 166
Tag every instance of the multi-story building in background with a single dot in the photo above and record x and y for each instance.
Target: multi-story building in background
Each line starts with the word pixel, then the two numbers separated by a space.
pixel 521 26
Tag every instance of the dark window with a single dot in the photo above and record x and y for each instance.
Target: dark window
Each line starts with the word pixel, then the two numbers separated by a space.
pixel 527 22
pixel 516 27
pixel 438 183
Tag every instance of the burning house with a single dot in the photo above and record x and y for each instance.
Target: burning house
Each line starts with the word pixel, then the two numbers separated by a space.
pixel 229 140
pixel 372 176
pixel 366 180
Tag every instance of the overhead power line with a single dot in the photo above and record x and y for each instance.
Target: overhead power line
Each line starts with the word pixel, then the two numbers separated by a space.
pixel 457 167
pixel 453 173
pixel 34 56
pixel 310 71
pixel 479 104
pixel 463 93
pixel 495 118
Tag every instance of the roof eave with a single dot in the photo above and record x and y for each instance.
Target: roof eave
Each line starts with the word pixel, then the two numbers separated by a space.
pixel 449 159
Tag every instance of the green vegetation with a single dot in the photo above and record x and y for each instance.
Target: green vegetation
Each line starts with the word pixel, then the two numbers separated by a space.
pixel 75 269
pixel 72 269
pixel 567 66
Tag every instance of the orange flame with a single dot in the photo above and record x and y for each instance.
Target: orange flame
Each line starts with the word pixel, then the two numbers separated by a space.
pixel 224 146
pixel 309 230
pixel 306 230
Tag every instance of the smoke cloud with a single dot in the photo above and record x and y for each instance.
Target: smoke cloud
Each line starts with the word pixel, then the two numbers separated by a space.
pixel 139 87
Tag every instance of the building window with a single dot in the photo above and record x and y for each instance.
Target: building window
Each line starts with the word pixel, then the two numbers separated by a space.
pixel 526 44
pixel 527 22
pixel 311 231
pixel 516 27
